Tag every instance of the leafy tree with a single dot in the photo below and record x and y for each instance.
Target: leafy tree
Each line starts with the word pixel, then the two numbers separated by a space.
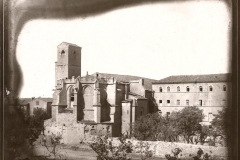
pixel 203 134
pixel 219 123
pixel 19 131
pixel 16 132
pixel 172 130
pixel 147 127
pixel 186 121
pixel 36 122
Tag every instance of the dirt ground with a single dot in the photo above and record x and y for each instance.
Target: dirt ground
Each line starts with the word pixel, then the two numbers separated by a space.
pixel 75 153
pixel 84 152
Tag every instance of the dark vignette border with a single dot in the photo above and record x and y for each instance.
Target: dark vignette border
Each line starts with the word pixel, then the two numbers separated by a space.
pixel 94 7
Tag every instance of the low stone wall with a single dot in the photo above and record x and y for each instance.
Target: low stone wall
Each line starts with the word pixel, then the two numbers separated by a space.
pixel 160 148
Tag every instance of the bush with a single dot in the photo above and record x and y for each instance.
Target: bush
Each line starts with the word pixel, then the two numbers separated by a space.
pixel 175 153
pixel 51 143
pixel 144 150
pixel 106 150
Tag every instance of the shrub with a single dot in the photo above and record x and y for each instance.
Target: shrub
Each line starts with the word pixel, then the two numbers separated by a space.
pixel 51 143
pixel 144 150
pixel 175 153
pixel 106 150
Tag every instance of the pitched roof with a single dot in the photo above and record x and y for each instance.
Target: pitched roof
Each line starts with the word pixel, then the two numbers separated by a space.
pixel 23 101
pixel 46 99
pixel 196 78
pixel 127 78
pixel 67 44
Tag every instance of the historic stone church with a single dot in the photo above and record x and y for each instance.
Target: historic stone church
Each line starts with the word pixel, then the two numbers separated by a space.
pixel 95 104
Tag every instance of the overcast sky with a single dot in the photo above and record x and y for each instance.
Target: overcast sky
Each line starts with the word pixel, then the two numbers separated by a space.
pixel 153 41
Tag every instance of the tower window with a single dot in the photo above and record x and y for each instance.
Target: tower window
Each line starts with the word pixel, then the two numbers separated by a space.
pixel 62 52
pixel 224 88
pixel 200 102
pixel 168 101
pixel 168 89
pixel 200 89
pixel 160 89
pixel 160 101
pixel 187 102
pixel 178 102
pixel 178 89
pixel 210 88
pixel 187 89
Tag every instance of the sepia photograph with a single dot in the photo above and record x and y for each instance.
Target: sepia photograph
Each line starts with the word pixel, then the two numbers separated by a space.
pixel 118 80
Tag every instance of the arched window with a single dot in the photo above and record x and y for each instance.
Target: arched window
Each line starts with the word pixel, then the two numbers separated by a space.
pixel 62 52
pixel 200 89
pixel 88 97
pixel 187 89
pixel 160 89
pixel 72 94
pixel 168 89
pixel 224 88
pixel 210 88
pixel 178 89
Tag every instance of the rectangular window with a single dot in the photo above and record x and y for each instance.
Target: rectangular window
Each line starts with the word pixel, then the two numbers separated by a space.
pixel 178 102
pixel 37 102
pixel 200 102
pixel 160 102
pixel 187 102
pixel 168 102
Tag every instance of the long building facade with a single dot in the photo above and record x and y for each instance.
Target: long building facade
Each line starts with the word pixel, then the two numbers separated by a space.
pixel 209 92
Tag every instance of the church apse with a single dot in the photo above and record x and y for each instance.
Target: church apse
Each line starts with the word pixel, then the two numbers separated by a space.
pixel 105 106
pixel 87 103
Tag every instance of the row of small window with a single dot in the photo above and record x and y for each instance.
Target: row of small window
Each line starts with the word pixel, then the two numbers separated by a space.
pixel 188 89
pixel 200 102
pixel 178 102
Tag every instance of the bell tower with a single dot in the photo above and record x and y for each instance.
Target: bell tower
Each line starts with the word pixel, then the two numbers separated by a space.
pixel 68 61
